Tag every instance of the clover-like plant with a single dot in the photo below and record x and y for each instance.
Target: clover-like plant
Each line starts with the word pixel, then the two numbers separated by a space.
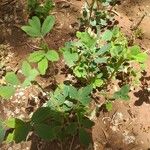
pixel 42 57
pixel 35 29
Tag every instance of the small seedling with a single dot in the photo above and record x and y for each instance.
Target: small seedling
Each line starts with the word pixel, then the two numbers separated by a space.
pixel 35 29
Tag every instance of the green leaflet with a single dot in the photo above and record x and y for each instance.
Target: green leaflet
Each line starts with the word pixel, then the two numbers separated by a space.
pixel 109 106
pixel 107 35
pixel 122 94
pixel 26 68
pixel 86 39
pixel 7 91
pixel 2 132
pixel 12 78
pixel 31 77
pixel 35 22
pixel 52 55
pixel 41 114
pixel 10 122
pixel 45 131
pixel 21 130
pixel 83 95
pixel 70 58
pixel 42 66
pixel 47 25
pixel 137 54
pixel 71 129
pixel 36 56
pixel 84 137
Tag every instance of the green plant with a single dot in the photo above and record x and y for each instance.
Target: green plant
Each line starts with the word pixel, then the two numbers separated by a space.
pixel 12 81
pixel 99 59
pixel 38 9
pixel 64 116
pixel 97 15
pixel 42 57
pixel 138 33
pixel 35 29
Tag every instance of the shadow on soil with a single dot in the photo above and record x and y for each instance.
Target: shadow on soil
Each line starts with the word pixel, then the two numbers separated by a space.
pixel 143 94
pixel 70 144
pixel 11 19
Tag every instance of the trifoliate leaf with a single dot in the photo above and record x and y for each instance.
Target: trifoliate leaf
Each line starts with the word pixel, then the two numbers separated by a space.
pixel 33 29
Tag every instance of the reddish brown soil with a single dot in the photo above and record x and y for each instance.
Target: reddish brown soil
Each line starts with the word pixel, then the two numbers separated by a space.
pixel 127 127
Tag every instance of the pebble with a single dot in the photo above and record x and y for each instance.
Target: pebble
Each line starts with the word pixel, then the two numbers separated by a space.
pixel 10 148
pixel 21 93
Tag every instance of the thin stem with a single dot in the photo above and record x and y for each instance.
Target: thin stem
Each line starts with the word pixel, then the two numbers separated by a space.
pixel 54 75
pixel 91 9
pixel 71 144
pixel 61 145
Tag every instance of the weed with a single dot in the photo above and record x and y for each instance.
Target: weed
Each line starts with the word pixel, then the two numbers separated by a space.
pixel 38 9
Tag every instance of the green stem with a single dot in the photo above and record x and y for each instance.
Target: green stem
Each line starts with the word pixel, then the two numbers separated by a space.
pixel 91 9
pixel 115 70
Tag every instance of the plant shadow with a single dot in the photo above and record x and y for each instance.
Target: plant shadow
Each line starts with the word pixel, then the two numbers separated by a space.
pixel 69 144
pixel 143 94
pixel 12 17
